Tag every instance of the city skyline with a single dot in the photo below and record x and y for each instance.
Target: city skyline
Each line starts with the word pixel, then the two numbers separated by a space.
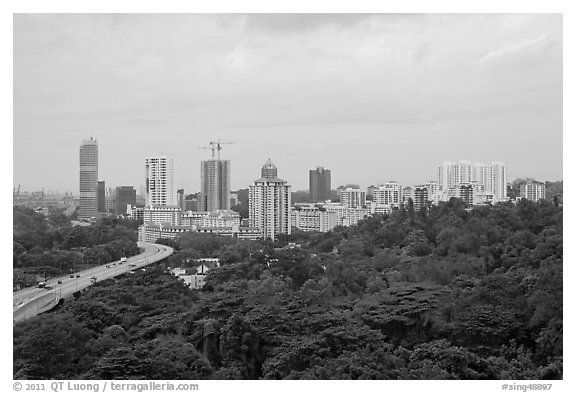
pixel 396 93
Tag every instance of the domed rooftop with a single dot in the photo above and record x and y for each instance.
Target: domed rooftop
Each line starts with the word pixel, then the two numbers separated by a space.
pixel 269 169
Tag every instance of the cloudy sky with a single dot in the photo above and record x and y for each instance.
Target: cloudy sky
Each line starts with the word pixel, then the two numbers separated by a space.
pixel 371 97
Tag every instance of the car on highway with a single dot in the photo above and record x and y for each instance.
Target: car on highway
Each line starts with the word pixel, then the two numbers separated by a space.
pixel 72 276
pixel 42 284
pixel 59 281
pixel 77 276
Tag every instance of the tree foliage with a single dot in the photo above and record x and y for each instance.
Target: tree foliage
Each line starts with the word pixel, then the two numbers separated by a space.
pixel 451 293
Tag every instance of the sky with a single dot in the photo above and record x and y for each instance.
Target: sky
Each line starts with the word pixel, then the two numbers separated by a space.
pixel 372 97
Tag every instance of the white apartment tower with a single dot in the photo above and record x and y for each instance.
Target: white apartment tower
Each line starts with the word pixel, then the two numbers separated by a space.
pixel 533 190
pixel 269 203
pixel 498 181
pixel 492 178
pixel 88 179
pixel 388 194
pixel 215 185
pixel 160 181
pixel 353 198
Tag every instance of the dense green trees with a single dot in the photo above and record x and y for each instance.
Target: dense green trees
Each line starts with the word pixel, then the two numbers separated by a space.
pixel 449 293
pixel 52 246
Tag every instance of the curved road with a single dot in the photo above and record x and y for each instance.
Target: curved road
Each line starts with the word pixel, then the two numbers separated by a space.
pixel 33 301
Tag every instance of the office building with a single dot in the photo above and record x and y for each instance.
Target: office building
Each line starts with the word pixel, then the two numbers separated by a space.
pixel 180 201
pixel 191 202
pixel 533 190
pixel 125 195
pixel 160 181
pixel 110 200
pixel 320 184
pixel 88 179
pixel 269 203
pixel 101 197
pixel 215 185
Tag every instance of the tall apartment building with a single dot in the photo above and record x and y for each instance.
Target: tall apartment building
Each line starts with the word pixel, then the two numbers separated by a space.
pixel 370 191
pixel 498 181
pixel 388 194
pixel 353 198
pixel 215 185
pixel 407 193
pixel 420 197
pixel 433 190
pixel 269 203
pixel 320 184
pixel 125 195
pixel 160 181
pixel 88 179
pixel 533 190
pixel 492 178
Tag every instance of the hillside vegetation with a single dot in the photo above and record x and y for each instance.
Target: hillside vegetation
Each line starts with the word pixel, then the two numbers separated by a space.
pixel 441 294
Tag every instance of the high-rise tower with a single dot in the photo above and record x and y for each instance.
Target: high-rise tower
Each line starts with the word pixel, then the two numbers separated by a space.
pixel 269 203
pixel 215 185
pixel 498 181
pixel 88 179
pixel 160 181
pixel 320 184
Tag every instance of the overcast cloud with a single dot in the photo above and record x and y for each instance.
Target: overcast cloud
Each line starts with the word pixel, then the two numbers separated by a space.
pixel 371 97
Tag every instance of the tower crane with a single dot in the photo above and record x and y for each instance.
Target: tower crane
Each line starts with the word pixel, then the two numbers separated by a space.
pixel 218 146
pixel 208 148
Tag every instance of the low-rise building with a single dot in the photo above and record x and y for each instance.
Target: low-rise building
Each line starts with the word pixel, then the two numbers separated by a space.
pixel 160 214
pixel 216 218
pixel 152 232
pixel 313 217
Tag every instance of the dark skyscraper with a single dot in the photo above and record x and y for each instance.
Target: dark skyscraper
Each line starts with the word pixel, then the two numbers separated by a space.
pixel 180 199
pixel 215 185
pixel 320 183
pixel 101 196
pixel 125 195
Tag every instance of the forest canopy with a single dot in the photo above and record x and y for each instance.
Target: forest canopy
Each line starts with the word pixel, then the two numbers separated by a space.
pixel 443 293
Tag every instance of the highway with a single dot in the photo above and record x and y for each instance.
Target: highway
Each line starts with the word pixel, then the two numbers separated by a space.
pixel 33 301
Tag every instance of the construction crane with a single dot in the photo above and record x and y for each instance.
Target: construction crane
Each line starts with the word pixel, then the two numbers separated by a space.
pixel 217 146
pixel 208 148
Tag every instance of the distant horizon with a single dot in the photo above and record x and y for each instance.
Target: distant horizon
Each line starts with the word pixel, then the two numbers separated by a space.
pixel 372 97
pixel 333 188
